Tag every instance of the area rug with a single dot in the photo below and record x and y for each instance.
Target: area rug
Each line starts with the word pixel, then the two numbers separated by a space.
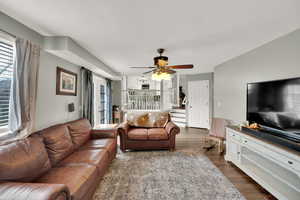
pixel 163 175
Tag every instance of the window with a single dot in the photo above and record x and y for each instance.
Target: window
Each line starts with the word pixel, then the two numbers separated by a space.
pixel 102 104
pixel 6 61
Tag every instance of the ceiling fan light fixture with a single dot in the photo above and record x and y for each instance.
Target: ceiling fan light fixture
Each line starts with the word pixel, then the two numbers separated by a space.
pixel 161 76
pixel 161 70
pixel 161 61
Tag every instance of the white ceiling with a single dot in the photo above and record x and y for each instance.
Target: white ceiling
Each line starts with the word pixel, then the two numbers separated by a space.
pixel 126 33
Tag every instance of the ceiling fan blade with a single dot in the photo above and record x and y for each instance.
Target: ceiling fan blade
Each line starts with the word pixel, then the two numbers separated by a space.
pixel 149 71
pixel 143 67
pixel 181 66
pixel 169 71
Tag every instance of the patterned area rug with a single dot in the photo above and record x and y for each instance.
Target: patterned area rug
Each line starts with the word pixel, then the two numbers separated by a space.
pixel 163 175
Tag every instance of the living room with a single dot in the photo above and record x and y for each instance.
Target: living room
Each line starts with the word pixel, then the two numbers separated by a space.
pixel 122 100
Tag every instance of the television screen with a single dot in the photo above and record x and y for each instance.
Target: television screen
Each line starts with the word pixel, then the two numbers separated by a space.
pixel 275 104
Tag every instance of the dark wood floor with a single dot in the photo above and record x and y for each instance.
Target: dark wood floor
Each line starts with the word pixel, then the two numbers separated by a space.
pixel 190 139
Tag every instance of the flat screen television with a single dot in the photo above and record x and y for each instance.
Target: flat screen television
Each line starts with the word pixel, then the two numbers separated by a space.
pixel 275 105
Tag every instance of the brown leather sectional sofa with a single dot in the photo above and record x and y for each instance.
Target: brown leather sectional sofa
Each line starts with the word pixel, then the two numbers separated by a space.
pixel 63 162
pixel 151 130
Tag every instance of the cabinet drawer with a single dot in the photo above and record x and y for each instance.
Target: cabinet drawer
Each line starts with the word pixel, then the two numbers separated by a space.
pixel 289 162
pixel 282 159
pixel 234 136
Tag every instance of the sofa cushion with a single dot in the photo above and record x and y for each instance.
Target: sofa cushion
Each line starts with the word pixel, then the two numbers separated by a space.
pixel 23 160
pixel 109 144
pixel 97 157
pixel 78 178
pixel 80 131
pixel 58 142
pixel 157 134
pixel 137 134
pixel 148 120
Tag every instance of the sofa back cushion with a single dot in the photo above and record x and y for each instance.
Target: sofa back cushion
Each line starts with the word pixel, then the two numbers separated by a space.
pixel 58 142
pixel 80 131
pixel 148 119
pixel 23 160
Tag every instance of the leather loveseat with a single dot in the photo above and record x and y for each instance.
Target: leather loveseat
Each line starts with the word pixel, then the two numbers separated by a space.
pixel 151 130
pixel 65 161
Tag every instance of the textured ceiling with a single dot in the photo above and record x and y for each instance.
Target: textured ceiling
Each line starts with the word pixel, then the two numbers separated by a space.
pixel 126 33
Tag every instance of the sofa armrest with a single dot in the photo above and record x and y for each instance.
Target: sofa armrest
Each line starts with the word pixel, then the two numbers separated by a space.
pixel 172 129
pixel 99 134
pixel 123 128
pixel 33 191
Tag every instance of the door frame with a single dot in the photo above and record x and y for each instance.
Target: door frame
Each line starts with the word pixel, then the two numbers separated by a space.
pixel 98 81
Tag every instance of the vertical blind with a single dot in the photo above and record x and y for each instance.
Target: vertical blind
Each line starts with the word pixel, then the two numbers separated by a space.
pixel 6 61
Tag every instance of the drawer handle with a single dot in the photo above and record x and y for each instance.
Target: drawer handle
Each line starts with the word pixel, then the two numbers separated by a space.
pixel 290 162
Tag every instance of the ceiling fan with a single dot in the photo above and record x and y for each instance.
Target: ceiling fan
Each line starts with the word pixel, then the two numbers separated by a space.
pixel 161 70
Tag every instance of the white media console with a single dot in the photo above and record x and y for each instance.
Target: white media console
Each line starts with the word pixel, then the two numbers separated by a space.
pixel 275 168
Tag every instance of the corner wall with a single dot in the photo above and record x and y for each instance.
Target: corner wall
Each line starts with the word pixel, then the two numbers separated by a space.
pixel 116 93
pixel 51 108
pixel 278 59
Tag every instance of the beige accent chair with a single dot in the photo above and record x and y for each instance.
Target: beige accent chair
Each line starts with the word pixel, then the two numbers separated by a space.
pixel 217 134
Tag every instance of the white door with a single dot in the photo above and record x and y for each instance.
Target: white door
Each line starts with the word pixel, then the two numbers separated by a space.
pixel 198 104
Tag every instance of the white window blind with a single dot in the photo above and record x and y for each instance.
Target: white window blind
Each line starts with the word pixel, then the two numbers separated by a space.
pixel 6 61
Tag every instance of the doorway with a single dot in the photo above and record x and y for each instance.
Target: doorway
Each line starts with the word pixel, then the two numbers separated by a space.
pixel 198 104
pixel 100 101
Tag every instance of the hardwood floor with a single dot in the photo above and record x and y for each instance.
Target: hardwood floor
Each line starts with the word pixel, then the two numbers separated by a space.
pixel 192 138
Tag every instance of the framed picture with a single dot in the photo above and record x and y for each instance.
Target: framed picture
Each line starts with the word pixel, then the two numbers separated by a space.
pixel 66 82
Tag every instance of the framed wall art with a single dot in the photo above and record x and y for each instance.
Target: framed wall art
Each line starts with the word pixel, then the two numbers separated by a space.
pixel 66 82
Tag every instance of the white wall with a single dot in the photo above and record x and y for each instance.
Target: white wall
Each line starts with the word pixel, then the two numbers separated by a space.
pixel 51 108
pixel 116 92
pixel 166 94
pixel 278 59
pixel 12 26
